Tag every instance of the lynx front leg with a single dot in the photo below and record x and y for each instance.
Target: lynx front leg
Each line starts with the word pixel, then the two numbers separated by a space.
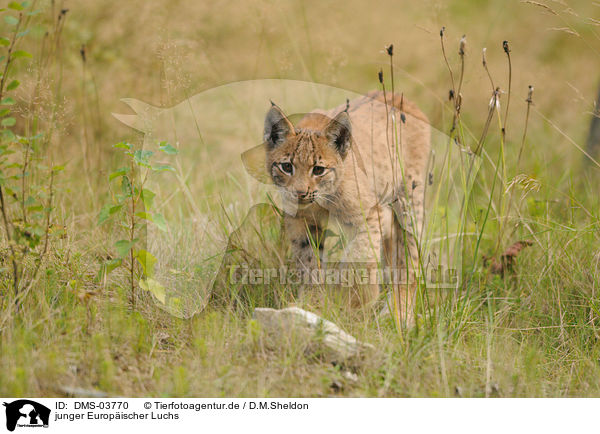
pixel 363 254
pixel 305 236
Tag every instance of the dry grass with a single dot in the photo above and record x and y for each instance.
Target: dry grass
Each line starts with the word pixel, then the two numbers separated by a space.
pixel 532 333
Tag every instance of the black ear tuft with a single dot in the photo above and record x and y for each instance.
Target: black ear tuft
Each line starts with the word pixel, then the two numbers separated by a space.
pixel 277 127
pixel 339 133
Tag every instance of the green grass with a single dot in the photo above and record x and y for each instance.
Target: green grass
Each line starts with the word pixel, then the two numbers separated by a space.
pixel 533 332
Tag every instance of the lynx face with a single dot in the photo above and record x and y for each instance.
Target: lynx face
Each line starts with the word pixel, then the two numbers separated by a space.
pixel 306 162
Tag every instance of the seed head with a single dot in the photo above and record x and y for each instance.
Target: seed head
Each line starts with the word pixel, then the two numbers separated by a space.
pixel 390 50
pixel 380 76
pixel 506 47
pixel 462 45
pixel 530 95
pixel 442 31
pixel 495 100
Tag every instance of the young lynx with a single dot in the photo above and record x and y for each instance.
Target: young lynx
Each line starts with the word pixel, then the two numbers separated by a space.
pixel 364 164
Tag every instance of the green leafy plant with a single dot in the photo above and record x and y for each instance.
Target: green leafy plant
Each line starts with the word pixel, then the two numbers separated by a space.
pixel 132 205
pixel 26 181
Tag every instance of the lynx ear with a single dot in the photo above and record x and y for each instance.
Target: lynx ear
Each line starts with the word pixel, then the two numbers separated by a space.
pixel 339 133
pixel 277 127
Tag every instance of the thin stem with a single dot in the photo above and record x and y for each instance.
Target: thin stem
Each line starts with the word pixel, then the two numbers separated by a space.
pixel 484 61
pixel 131 237
pixel 488 121
pixel 458 94
pixel 23 173
pixel 390 51
pixel 446 59
pixel 461 53
pixel 529 101
pixel 507 51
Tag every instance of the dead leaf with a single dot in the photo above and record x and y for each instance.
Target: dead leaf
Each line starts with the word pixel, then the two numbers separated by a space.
pixel 508 258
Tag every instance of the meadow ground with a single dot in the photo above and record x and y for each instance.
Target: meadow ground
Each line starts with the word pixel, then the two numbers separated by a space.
pixel 531 331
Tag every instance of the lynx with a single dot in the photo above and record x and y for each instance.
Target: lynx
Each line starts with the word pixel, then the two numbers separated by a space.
pixel 364 164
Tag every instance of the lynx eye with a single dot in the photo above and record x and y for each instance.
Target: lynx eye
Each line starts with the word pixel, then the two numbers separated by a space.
pixel 318 170
pixel 286 168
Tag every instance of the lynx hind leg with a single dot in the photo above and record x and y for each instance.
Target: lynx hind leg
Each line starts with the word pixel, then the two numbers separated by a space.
pixel 402 260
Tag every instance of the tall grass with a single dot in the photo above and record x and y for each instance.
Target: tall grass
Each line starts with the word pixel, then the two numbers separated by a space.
pixel 531 331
